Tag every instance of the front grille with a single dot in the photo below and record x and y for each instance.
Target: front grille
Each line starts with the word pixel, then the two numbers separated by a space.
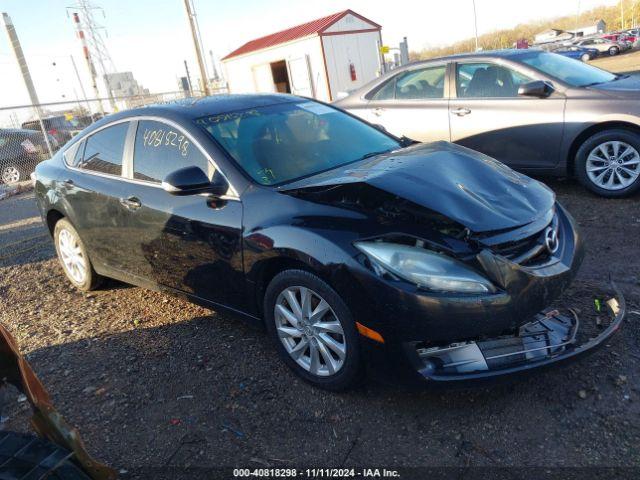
pixel 529 251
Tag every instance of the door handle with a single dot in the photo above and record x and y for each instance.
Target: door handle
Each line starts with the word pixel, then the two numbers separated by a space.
pixel 131 203
pixel 461 112
pixel 378 111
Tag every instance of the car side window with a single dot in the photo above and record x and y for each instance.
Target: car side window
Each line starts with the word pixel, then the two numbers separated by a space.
pixel 387 91
pixel 487 80
pixel 73 155
pixel 104 150
pixel 422 83
pixel 161 149
pixel 419 84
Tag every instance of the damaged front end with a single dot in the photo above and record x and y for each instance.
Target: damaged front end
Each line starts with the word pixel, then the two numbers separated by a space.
pixel 550 338
pixel 60 452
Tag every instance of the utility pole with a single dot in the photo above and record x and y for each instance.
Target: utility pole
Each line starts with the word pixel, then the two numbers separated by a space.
pixel 577 16
pixel 26 75
pixel 215 77
pixel 186 69
pixel 87 57
pixel 196 45
pixel 621 14
pixel 475 22
pixel 99 53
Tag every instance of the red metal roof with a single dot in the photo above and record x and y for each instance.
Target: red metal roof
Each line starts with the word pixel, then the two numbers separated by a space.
pixel 306 29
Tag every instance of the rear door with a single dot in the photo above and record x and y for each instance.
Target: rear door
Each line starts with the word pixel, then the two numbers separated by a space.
pixel 93 188
pixel 188 243
pixel 487 115
pixel 413 103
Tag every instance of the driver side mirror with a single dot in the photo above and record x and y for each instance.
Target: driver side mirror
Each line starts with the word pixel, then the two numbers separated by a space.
pixel 192 181
pixel 537 88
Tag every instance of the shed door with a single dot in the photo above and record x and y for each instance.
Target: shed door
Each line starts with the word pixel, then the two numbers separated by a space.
pixel 300 76
pixel 263 79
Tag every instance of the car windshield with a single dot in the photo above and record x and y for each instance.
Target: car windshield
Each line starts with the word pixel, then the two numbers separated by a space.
pixel 573 72
pixel 280 143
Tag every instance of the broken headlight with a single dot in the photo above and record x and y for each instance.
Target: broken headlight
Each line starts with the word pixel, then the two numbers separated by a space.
pixel 430 270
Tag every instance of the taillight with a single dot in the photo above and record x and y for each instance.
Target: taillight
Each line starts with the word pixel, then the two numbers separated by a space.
pixel 29 147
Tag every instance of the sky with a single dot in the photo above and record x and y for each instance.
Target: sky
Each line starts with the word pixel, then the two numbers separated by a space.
pixel 151 38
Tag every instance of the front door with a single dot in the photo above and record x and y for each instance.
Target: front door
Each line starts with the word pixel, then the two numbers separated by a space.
pixel 188 243
pixel 488 115
pixel 413 104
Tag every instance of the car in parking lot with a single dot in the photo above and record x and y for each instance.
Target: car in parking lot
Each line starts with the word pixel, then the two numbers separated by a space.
pixel 575 52
pixel 536 111
pixel 20 151
pixel 603 45
pixel 57 126
pixel 421 263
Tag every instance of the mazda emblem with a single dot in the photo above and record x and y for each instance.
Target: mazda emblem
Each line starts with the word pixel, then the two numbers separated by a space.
pixel 551 239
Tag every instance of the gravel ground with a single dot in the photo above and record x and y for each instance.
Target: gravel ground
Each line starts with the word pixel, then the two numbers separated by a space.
pixel 154 382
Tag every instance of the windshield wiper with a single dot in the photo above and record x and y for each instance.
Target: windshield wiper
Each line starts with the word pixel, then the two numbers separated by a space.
pixel 373 154
pixel 617 77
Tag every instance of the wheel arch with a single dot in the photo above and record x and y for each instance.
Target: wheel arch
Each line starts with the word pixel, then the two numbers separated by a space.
pixel 590 131
pixel 53 217
pixel 265 271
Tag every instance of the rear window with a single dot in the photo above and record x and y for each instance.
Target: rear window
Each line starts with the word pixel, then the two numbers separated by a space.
pixel 104 150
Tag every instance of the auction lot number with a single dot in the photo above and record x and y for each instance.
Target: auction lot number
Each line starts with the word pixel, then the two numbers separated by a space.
pixel 316 473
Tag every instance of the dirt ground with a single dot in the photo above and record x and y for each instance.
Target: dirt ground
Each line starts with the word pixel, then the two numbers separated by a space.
pixel 623 63
pixel 153 382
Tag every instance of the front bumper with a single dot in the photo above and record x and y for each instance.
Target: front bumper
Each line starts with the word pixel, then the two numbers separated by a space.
pixel 550 339
pixel 412 321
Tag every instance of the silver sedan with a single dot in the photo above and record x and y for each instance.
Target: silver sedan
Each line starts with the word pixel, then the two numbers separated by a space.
pixel 536 111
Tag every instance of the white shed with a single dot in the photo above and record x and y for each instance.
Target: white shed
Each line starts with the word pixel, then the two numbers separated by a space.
pixel 337 53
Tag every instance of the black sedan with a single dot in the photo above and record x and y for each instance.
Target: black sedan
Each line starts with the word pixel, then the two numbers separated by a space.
pixel 20 151
pixel 422 262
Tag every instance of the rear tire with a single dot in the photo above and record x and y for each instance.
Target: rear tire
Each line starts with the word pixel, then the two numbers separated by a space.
pixel 614 51
pixel 585 57
pixel 11 174
pixel 74 258
pixel 608 163
pixel 328 334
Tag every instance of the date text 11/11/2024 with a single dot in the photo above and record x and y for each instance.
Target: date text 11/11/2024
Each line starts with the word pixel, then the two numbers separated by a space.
pixel 316 473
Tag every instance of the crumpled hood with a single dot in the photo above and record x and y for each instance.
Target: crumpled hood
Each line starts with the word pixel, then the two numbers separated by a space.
pixel 466 186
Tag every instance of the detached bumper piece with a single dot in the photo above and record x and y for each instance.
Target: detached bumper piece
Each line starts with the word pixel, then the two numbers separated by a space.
pixel 550 338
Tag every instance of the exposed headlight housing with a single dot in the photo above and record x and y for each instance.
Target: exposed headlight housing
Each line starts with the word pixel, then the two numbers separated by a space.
pixel 427 269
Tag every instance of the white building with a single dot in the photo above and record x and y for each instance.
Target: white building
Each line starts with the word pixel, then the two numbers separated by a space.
pixel 599 27
pixel 337 53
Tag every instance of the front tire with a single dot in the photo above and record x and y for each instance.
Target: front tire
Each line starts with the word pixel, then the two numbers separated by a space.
pixel 74 258
pixel 613 51
pixel 313 330
pixel 608 163
pixel 585 57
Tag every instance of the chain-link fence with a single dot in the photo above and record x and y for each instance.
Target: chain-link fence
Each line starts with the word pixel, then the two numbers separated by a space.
pixel 30 134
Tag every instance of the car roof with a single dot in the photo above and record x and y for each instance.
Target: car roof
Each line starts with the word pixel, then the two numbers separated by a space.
pixel 505 53
pixel 192 108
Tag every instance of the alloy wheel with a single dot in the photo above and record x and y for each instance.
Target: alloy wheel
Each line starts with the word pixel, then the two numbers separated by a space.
pixel 613 165
pixel 310 331
pixel 10 175
pixel 72 257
